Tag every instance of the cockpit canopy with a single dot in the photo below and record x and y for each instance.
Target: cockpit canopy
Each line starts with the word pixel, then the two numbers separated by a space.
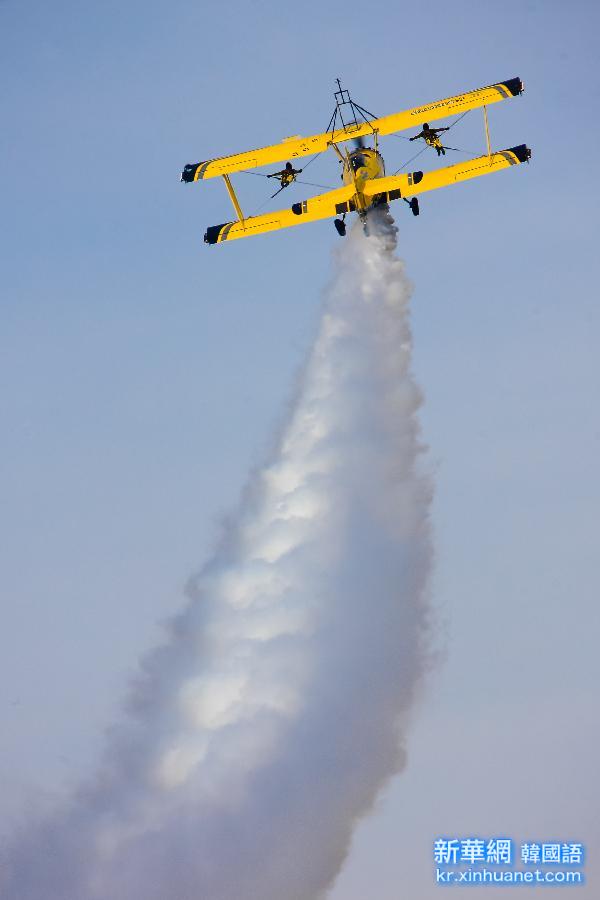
pixel 357 161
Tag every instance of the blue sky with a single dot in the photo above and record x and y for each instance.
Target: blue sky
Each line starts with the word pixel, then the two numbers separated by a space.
pixel 142 374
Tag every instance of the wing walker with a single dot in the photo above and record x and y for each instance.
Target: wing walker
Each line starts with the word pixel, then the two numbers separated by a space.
pixel 365 183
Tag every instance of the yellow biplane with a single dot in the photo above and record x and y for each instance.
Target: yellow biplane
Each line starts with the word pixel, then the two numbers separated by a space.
pixel 365 184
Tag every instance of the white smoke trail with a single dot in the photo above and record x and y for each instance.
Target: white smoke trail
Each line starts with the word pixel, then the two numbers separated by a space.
pixel 266 725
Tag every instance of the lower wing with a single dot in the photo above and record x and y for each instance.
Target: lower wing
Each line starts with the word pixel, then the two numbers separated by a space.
pixel 378 190
pixel 409 184
pixel 323 206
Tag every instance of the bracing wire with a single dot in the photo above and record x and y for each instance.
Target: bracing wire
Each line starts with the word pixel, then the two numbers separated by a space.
pixel 296 180
pixel 422 150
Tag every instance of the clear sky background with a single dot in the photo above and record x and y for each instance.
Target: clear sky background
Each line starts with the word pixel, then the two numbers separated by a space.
pixel 142 374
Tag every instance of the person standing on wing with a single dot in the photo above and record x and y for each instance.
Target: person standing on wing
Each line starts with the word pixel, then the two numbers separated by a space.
pixel 430 135
pixel 287 175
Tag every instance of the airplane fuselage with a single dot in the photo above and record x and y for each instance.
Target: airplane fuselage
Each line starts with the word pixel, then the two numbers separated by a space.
pixel 361 165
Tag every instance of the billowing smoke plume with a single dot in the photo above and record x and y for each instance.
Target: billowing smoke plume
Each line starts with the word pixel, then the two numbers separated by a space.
pixel 274 713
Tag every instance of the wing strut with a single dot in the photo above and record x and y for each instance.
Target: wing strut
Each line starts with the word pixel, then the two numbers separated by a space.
pixel 487 133
pixel 233 197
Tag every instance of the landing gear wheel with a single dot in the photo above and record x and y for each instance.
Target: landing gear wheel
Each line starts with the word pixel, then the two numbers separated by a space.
pixel 340 227
pixel 414 205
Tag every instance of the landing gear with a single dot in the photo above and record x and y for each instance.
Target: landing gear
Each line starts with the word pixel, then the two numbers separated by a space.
pixel 340 227
pixel 414 205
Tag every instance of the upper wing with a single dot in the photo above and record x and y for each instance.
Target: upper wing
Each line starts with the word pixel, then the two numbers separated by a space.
pixel 449 107
pixel 322 206
pixel 295 147
pixel 409 184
